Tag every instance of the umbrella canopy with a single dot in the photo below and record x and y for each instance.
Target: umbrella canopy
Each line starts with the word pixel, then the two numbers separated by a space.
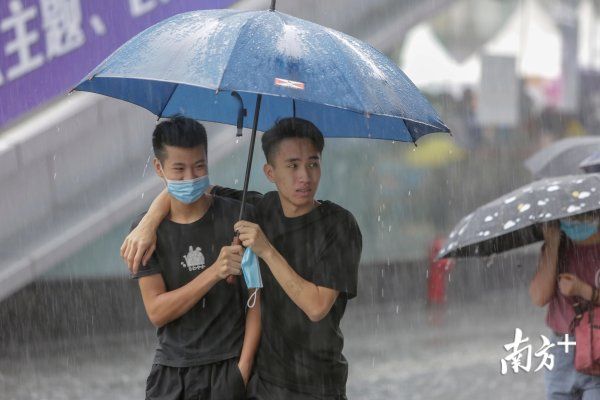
pixel 515 219
pixel 220 65
pixel 190 64
pixel 591 163
pixel 562 157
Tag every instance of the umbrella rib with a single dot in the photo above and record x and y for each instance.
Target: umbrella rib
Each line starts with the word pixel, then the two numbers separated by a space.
pixel 362 106
pixel 344 76
pixel 232 51
pixel 160 115
pixel 358 97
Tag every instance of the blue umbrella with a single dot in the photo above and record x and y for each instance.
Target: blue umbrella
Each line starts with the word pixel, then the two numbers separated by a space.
pixel 222 65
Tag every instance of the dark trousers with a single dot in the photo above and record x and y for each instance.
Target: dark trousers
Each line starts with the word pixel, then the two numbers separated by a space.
pixel 259 389
pixel 218 381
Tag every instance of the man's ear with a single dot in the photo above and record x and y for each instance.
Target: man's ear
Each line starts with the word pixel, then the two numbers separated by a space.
pixel 269 173
pixel 157 167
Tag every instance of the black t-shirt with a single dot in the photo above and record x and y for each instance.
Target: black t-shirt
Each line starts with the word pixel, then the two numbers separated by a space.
pixel 323 247
pixel 212 330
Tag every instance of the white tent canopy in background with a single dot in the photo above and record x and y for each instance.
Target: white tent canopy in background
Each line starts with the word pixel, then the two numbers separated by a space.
pixel 429 65
pixel 529 34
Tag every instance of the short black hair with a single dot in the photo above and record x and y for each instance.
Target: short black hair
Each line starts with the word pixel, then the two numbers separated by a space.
pixel 179 132
pixel 287 128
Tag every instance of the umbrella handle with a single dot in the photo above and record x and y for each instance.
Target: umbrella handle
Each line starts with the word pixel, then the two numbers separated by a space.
pixel 241 113
pixel 231 279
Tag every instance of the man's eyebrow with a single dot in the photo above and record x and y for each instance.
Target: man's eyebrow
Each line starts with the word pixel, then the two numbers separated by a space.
pixel 298 159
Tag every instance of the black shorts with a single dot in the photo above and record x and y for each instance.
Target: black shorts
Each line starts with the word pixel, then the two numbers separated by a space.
pixel 219 381
pixel 259 389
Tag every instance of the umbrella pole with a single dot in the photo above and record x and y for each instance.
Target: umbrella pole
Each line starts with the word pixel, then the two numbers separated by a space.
pixel 250 154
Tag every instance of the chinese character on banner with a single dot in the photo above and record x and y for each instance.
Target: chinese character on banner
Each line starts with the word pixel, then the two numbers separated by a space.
pixel 23 39
pixel 547 359
pixel 61 19
pixel 516 357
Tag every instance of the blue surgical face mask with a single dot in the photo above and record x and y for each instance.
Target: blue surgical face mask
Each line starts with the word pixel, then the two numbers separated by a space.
pixel 189 190
pixel 579 230
pixel 251 271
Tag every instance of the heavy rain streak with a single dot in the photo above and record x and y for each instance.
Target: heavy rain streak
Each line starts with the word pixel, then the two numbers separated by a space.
pixel 260 199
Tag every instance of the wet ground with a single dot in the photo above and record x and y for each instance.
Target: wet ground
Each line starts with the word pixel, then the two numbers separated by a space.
pixel 395 351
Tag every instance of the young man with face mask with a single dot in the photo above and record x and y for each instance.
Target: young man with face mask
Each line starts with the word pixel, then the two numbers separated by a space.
pixel 309 251
pixel 568 271
pixel 206 343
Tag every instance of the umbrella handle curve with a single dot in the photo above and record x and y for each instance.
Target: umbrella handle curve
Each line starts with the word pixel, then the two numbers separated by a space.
pixel 242 112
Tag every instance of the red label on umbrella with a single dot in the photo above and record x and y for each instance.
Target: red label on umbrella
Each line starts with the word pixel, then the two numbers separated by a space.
pixel 289 84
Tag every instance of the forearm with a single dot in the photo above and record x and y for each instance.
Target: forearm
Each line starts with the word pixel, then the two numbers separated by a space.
pixel 252 335
pixel 306 295
pixel 158 211
pixel 168 306
pixel 543 284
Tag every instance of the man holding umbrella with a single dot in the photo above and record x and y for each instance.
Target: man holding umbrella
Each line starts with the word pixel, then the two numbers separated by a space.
pixel 310 252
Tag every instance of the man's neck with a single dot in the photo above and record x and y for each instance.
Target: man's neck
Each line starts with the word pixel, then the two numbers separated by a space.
pixel 182 213
pixel 292 211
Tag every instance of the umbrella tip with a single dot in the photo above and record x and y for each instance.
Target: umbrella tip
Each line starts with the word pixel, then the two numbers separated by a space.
pixel 272 8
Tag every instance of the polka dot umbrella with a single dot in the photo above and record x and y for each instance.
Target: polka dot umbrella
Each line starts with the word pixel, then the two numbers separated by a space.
pixel 516 219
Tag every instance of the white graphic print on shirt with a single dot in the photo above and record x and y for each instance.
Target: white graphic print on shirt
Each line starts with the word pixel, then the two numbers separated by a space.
pixel 194 260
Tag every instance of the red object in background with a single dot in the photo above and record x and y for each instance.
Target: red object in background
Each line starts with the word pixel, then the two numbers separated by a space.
pixel 437 274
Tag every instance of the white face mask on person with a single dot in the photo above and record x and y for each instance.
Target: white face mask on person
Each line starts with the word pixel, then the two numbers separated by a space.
pixel 188 191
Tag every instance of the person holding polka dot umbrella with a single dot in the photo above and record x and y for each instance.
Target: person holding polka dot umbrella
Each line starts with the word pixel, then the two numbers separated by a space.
pixel 564 212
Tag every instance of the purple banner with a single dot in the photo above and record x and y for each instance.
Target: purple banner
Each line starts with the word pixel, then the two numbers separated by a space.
pixel 47 46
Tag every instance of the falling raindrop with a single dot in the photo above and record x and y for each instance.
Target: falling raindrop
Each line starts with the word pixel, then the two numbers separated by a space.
pixel 146 166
